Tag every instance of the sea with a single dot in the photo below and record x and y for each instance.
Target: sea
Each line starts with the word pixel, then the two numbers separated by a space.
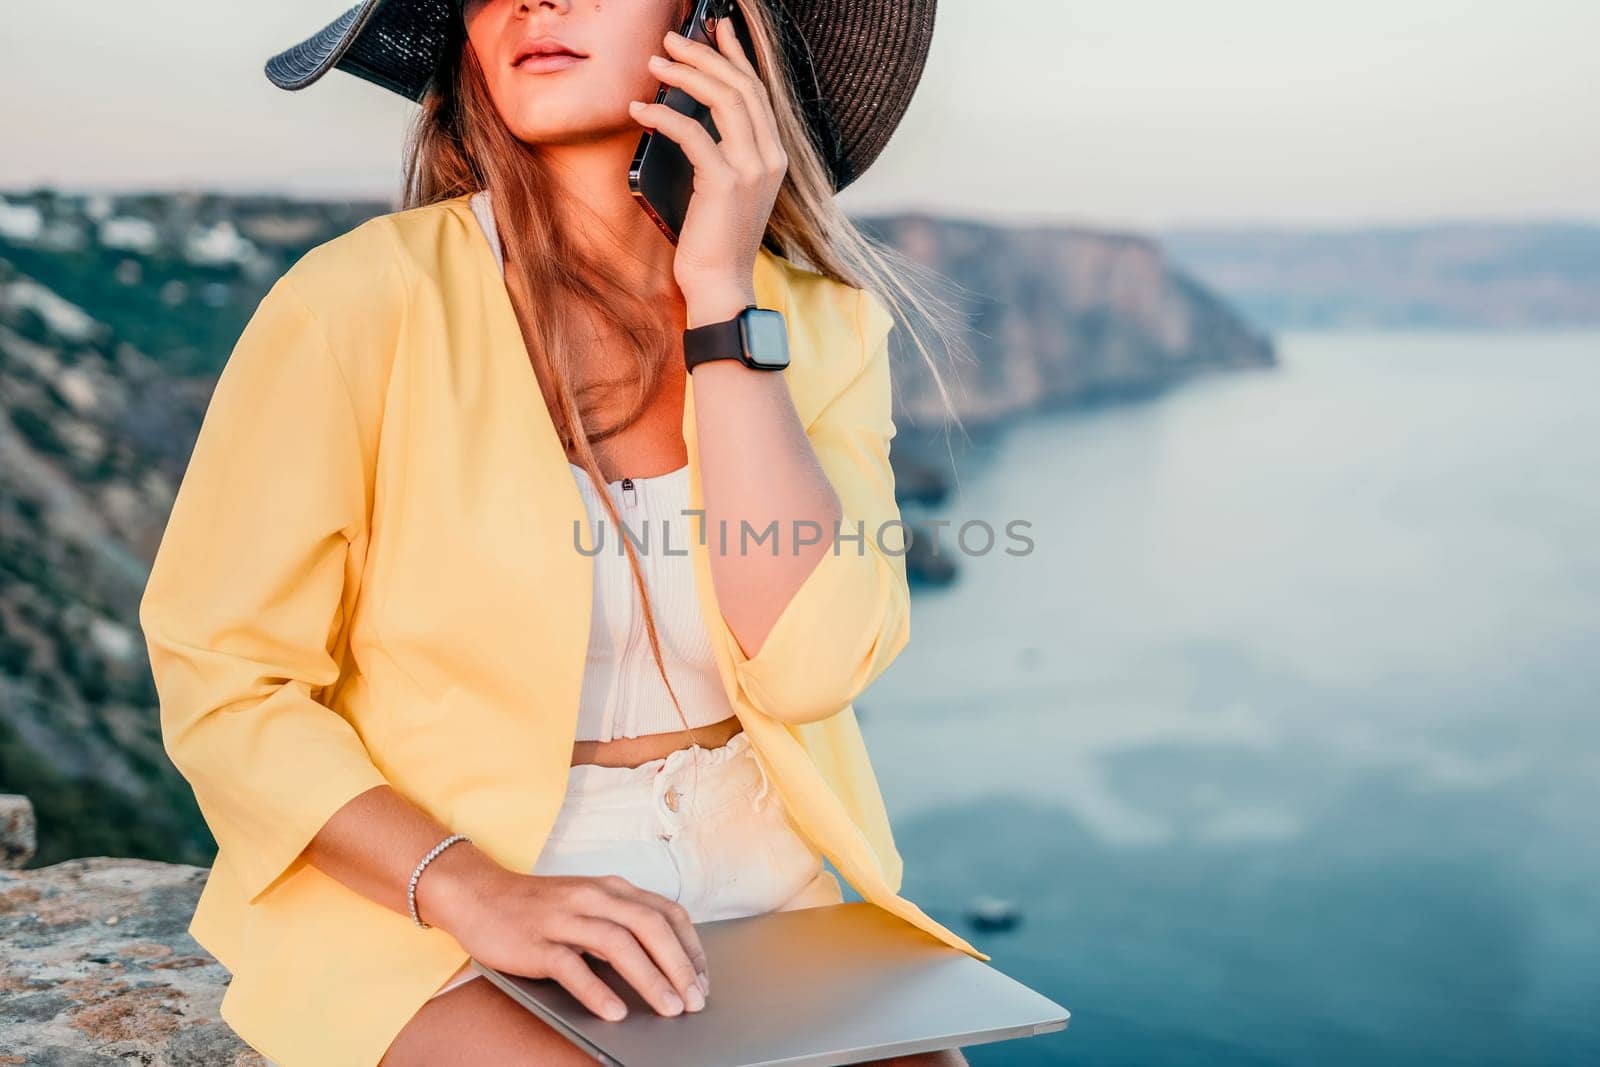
pixel 1278 728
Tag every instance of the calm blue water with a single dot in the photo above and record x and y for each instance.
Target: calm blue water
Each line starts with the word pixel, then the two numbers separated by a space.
pixel 1286 737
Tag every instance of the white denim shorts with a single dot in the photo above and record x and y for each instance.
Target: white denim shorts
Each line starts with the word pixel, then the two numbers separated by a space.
pixel 718 843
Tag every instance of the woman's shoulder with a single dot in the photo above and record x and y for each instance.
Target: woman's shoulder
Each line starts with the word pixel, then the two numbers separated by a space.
pixel 350 297
pixel 375 263
pixel 848 323
pixel 808 289
pixel 360 285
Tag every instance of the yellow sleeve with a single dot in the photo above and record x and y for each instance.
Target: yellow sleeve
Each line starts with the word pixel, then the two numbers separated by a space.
pixel 245 607
pixel 852 615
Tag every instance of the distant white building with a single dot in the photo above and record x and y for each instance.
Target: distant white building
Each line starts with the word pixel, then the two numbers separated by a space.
pixel 22 223
pixel 218 245
pixel 129 234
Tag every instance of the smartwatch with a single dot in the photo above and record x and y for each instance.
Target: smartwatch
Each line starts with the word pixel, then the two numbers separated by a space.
pixel 757 337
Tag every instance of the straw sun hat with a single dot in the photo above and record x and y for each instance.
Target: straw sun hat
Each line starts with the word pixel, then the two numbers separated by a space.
pixel 854 63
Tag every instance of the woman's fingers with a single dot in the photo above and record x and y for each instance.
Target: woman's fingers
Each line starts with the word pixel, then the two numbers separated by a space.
pixel 677 917
pixel 709 163
pixel 658 936
pixel 729 110
pixel 566 966
pixel 546 926
pixel 731 48
pixel 737 98
pixel 619 946
pixel 605 915
pixel 764 121
pixel 649 928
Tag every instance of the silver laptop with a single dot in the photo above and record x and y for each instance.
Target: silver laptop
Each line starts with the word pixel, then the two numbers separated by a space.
pixel 835 984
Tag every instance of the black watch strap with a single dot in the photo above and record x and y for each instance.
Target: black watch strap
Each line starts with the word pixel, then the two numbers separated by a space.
pixel 714 340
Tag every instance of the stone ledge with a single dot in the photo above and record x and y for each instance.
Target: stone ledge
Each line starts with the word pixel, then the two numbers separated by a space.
pixel 99 968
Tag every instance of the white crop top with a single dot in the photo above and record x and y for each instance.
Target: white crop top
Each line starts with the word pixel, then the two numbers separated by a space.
pixel 623 695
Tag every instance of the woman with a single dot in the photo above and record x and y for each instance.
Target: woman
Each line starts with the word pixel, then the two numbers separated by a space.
pixel 424 718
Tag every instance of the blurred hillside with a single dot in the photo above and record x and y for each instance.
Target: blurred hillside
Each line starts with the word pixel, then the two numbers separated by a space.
pixel 117 312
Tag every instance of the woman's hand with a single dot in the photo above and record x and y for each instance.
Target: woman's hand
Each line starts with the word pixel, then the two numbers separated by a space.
pixel 539 926
pixel 736 179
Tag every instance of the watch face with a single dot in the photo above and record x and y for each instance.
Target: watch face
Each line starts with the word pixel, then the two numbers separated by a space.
pixel 766 338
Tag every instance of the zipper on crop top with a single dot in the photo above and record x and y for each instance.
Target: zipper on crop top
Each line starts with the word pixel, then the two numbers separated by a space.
pixel 620 695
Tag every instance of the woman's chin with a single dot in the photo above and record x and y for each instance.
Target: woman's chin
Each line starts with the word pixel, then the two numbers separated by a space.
pixel 542 131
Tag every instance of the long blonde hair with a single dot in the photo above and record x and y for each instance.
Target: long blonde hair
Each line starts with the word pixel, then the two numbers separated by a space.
pixel 459 144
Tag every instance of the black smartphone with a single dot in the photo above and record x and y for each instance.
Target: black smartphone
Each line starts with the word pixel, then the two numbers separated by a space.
pixel 661 176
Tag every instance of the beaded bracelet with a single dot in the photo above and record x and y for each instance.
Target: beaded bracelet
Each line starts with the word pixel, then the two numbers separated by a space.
pixel 433 854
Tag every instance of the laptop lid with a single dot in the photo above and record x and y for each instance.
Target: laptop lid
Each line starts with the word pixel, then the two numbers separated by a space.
pixel 811 987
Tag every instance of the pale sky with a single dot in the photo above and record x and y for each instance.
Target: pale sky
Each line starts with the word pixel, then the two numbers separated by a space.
pixel 1138 113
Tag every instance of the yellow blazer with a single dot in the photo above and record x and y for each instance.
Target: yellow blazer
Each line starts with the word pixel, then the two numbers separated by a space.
pixel 369 576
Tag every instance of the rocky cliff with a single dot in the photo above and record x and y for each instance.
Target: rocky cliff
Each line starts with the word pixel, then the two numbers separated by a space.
pixel 1061 316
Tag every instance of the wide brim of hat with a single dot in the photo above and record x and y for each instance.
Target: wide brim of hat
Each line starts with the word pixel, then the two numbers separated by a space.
pixel 855 64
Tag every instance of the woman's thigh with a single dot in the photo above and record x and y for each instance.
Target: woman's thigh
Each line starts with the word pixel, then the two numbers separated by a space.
pixel 950 1057
pixel 476 1024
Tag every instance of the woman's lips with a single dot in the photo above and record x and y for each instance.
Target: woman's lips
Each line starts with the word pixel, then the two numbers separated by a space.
pixel 549 61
